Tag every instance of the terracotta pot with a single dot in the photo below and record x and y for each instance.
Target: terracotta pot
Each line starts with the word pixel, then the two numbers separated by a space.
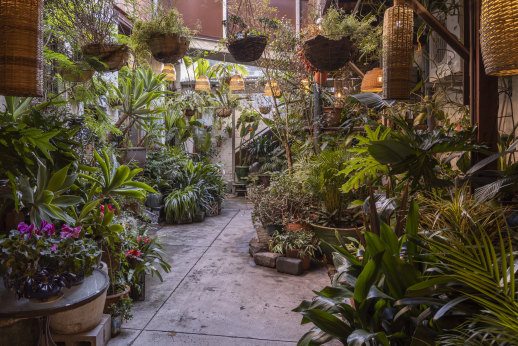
pixel 114 298
pixel 295 226
pixel 321 78
pixel 306 261
pixel 332 116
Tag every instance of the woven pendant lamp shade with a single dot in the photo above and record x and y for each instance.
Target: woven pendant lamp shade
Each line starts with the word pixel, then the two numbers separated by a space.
pixel 237 83
pixel 21 48
pixel 499 37
pixel 272 89
pixel 398 26
pixel 202 83
pixel 373 81
pixel 170 72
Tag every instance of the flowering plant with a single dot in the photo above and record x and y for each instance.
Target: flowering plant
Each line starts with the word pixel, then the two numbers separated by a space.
pixel 43 259
pixel 145 255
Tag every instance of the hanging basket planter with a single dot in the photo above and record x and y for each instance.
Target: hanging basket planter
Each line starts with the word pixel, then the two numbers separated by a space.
pixel 265 109
pixel 76 74
pixel 398 51
pixel 499 37
pixel 328 55
pixel 21 48
pixel 247 49
pixel 224 112
pixel 112 56
pixel 168 48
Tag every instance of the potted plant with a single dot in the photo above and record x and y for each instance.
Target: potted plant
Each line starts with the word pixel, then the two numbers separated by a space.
pixel 223 101
pixel 164 37
pixel 228 130
pixel 144 257
pixel 119 311
pixel 92 23
pixel 219 140
pixel 338 37
pixel 247 123
pixel 37 262
pixel 303 245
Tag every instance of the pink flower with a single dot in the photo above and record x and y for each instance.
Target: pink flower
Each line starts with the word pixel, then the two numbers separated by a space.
pixel 54 247
pixel 67 232
pixel 139 239
pixel 24 228
pixel 147 240
pixel 48 228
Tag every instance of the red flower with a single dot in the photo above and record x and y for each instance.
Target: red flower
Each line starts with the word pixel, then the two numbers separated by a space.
pixel 139 239
pixel 147 240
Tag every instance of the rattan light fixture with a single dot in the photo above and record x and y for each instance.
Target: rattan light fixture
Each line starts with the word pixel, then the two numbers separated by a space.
pixel 237 83
pixel 21 48
pixel 398 48
pixel 373 81
pixel 170 72
pixel 272 89
pixel 499 37
pixel 202 83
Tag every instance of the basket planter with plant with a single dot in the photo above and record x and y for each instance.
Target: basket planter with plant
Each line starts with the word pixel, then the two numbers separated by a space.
pixel 164 37
pixel 247 44
pixel 119 311
pixel 76 72
pixel 91 23
pixel 338 38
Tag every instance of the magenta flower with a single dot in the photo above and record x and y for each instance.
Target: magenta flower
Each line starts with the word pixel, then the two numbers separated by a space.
pixel 67 232
pixel 24 228
pixel 48 228
pixel 54 247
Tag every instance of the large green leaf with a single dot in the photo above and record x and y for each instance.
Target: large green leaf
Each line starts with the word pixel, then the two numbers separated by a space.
pixel 390 152
pixel 328 323
pixel 367 278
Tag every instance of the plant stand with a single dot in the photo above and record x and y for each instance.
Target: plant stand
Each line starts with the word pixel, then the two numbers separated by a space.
pixel 99 336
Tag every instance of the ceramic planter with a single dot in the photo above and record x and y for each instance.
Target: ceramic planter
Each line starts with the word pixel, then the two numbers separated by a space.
pixel 242 172
pixel 116 325
pixel 114 298
pixel 328 235
pixel 138 289
pixel 80 319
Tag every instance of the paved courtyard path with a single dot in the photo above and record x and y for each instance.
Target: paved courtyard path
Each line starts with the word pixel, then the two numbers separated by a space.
pixel 215 295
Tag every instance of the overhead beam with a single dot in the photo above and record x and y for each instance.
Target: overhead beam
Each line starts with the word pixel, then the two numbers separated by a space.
pixel 440 29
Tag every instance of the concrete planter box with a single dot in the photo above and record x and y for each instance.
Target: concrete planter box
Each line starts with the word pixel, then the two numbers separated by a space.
pixel 132 154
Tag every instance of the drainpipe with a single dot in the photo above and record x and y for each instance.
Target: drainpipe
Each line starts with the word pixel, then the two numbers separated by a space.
pixel 297 16
pixel 224 18
pixel 317 110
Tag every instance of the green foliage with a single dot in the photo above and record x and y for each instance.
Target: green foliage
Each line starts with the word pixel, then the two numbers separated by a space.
pixel 304 242
pixel 195 188
pixel 113 179
pixel 48 200
pixel 365 32
pixel 363 168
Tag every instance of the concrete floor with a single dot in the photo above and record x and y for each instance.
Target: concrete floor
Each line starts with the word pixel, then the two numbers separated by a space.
pixel 215 294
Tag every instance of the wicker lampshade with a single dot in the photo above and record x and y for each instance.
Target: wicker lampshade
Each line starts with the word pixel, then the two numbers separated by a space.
pixel 237 83
pixel 21 48
pixel 170 72
pixel 202 83
pixel 398 26
pixel 499 37
pixel 272 89
pixel 373 81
